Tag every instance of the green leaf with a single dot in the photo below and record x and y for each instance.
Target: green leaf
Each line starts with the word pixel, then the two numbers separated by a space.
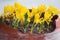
pixel 15 22
pixel 26 16
pixel 25 23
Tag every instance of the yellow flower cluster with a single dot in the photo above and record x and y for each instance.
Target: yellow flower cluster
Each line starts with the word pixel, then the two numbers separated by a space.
pixel 19 11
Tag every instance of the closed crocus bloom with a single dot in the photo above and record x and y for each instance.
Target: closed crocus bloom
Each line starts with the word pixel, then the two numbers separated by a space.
pixel 20 16
pixel 20 8
pixel 17 6
pixel 50 8
pixel 53 10
pixel 34 11
pixel 41 8
pixel 8 10
pixel 36 19
pixel 56 12
pixel 23 10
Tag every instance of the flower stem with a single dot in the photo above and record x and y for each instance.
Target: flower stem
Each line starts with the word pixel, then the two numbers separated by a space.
pixel 41 28
pixel 25 30
pixel 32 28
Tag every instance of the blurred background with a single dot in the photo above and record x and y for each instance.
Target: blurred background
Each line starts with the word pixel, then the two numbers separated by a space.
pixel 30 3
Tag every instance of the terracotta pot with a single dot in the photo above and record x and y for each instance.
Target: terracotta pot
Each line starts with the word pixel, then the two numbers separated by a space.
pixel 9 33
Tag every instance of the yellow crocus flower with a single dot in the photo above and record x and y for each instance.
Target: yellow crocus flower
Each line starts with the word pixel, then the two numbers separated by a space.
pixel 56 12
pixel 50 8
pixel 17 6
pixel 22 10
pixel 17 15
pixel 9 9
pixel 41 20
pixel 36 19
pixel 47 15
pixel 34 11
pixel 53 10
pixel 20 16
pixel 31 14
pixel 41 8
